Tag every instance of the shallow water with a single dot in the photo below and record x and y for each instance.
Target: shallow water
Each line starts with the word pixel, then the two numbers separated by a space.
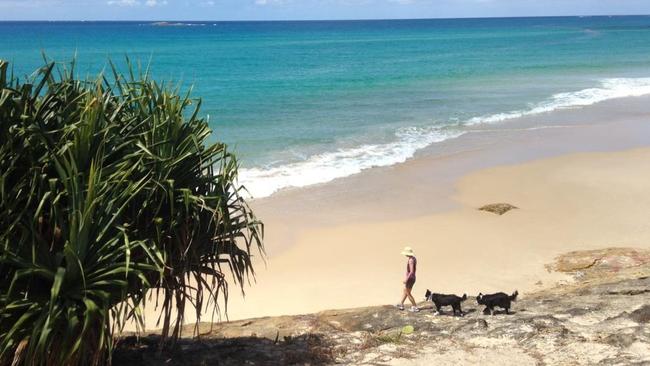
pixel 307 102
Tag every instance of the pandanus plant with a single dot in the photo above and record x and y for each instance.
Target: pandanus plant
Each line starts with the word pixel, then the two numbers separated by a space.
pixel 110 195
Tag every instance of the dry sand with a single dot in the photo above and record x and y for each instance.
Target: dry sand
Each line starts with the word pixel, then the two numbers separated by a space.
pixel 575 202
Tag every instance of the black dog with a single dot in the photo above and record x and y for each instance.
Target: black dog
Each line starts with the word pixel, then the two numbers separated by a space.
pixel 440 300
pixel 499 299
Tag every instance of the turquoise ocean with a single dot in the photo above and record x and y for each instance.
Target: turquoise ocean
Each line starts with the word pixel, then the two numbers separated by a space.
pixel 307 102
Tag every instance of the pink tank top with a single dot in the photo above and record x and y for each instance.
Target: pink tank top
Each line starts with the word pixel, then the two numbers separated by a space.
pixel 415 265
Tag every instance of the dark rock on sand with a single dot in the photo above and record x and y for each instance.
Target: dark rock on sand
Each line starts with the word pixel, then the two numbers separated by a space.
pixel 498 208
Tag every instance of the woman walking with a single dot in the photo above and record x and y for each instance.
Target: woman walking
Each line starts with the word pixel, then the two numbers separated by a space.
pixel 411 266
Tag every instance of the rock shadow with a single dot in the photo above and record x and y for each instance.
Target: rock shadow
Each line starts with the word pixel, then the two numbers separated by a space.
pixel 310 349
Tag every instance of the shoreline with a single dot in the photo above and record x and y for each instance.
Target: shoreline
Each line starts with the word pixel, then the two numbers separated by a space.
pixel 319 170
pixel 614 125
pixel 578 187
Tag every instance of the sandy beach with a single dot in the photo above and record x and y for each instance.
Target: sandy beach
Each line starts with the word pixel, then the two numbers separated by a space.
pixel 578 177
pixel 248 182
pixel 578 185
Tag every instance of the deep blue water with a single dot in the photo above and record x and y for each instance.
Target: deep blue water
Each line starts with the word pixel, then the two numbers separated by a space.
pixel 305 102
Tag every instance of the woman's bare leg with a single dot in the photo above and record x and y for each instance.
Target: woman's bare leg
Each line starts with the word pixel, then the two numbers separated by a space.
pixel 407 292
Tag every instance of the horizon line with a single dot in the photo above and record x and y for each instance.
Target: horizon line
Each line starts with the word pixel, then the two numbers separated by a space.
pixel 331 20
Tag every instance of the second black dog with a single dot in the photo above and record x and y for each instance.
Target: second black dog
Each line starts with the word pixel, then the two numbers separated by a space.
pixel 499 299
pixel 440 300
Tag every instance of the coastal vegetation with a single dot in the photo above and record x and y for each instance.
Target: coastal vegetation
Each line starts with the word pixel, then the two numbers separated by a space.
pixel 111 196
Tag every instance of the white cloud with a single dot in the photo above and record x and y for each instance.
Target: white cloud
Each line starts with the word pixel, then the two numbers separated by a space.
pixel 28 3
pixel 132 3
pixel 123 2
pixel 152 3
pixel 269 2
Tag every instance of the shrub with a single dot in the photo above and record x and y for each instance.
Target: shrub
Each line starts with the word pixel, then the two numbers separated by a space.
pixel 108 190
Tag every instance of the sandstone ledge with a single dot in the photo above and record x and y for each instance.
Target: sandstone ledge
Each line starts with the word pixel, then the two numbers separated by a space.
pixel 601 319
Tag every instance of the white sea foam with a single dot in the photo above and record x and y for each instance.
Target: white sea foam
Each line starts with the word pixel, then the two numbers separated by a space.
pixel 322 168
pixel 328 166
pixel 609 89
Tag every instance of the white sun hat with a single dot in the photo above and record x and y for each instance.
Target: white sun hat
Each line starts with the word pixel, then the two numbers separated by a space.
pixel 408 251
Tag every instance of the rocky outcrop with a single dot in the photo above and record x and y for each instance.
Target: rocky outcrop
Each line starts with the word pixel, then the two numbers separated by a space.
pixel 602 264
pixel 601 319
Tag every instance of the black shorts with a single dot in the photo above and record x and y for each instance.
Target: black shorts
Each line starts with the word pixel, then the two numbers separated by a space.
pixel 410 282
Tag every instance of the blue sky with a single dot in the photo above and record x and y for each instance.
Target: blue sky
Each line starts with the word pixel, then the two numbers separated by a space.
pixel 305 9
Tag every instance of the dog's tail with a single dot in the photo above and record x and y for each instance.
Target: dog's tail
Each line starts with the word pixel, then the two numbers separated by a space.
pixel 513 297
pixel 464 297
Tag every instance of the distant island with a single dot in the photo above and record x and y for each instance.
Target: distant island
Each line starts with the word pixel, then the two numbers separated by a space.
pixel 174 24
